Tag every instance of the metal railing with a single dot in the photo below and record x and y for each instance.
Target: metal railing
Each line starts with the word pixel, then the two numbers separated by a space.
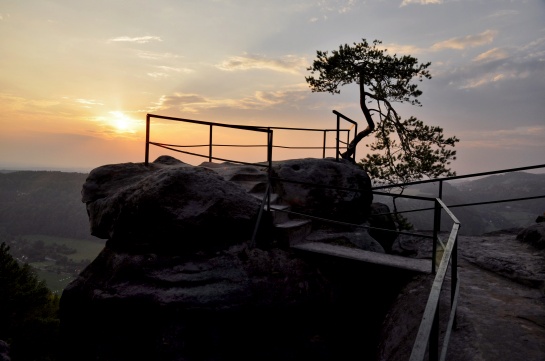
pixel 427 339
pixel 210 145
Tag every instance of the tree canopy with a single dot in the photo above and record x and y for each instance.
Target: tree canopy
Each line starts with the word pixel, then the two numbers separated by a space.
pixel 403 150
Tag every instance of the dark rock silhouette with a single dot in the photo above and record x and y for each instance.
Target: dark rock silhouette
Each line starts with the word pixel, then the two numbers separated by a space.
pixel 178 279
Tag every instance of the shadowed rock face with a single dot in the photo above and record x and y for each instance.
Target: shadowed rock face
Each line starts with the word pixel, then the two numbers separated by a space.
pixel 337 204
pixel 178 281
pixel 168 205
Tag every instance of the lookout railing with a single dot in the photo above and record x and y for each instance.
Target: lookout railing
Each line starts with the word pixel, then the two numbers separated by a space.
pixel 427 339
pixel 212 127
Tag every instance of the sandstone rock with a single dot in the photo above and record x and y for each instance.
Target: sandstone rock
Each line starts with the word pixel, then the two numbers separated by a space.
pixel 337 204
pixel 381 221
pixel 4 351
pixel 178 281
pixel 167 205
pixel 534 235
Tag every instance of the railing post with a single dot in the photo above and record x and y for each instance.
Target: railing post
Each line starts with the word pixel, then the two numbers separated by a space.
pixel 454 277
pixel 146 158
pixel 325 136
pixel 269 161
pixel 210 145
pixel 338 134
pixel 436 228
pixel 434 337
pixel 355 135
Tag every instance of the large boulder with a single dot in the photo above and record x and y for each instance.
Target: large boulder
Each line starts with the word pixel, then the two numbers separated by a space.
pixel 533 235
pixel 326 188
pixel 233 304
pixel 167 205
pixel 383 227
pixel 179 280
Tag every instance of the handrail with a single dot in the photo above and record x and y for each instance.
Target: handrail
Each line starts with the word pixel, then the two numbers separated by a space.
pixel 428 332
pixel 472 175
pixel 210 144
pixel 355 124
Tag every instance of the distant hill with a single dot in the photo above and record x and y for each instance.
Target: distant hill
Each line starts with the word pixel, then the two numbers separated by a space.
pixel 43 202
pixel 49 203
pixel 480 219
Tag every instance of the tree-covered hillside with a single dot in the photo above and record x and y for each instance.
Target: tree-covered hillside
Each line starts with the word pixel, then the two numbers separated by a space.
pixel 43 202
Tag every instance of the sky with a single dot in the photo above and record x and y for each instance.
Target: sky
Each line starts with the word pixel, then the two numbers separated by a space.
pixel 77 78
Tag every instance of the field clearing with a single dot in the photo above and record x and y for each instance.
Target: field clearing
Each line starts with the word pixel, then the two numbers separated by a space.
pixel 57 280
pixel 85 249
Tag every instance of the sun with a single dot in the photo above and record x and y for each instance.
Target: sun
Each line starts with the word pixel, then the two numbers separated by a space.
pixel 122 123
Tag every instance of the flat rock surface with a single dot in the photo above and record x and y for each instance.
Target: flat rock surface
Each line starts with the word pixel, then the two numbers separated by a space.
pixel 501 306
pixel 501 311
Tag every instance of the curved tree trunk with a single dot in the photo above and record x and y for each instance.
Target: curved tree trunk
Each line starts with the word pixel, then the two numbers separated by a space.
pixel 370 125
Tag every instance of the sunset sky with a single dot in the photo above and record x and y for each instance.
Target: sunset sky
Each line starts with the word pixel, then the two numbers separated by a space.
pixel 78 77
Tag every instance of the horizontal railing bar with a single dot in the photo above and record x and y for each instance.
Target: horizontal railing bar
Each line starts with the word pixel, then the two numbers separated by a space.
pixel 499 201
pixel 445 179
pixel 404 196
pixel 352 224
pixel 420 345
pixel 236 146
pixel 309 129
pixel 246 127
pixel 452 317
pixel 316 185
pixel 469 204
pixel 206 156
pixel 202 122
pixel 344 117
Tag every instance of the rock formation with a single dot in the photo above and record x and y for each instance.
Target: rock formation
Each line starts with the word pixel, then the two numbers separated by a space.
pixel 179 280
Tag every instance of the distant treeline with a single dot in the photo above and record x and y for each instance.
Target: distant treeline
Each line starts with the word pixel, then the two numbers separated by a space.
pixel 43 202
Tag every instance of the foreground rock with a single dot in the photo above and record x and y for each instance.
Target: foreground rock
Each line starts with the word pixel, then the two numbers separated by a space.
pixel 168 206
pixel 178 280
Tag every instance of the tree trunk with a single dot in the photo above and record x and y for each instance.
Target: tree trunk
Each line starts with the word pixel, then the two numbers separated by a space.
pixel 370 125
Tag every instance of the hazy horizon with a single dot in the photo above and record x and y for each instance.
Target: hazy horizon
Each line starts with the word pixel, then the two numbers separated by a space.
pixel 78 78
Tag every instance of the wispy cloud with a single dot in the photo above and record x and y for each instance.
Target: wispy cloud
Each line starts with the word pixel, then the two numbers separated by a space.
pixel 156 56
pixel 491 55
pixel 498 65
pixel 194 103
pixel 88 102
pixel 531 136
pixel 339 6
pixel 420 2
pixel 469 41
pixel 166 71
pixel 286 64
pixel 138 40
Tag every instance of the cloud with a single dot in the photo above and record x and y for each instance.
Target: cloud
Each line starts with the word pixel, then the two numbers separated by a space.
pixel 194 103
pixel 499 65
pixel 88 102
pixel 393 48
pixel 529 136
pixel 420 2
pixel 491 55
pixel 339 6
pixel 156 56
pixel 286 64
pixel 468 41
pixel 138 40
pixel 166 71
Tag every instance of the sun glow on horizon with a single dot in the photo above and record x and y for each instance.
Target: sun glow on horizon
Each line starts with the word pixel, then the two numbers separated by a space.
pixel 122 123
